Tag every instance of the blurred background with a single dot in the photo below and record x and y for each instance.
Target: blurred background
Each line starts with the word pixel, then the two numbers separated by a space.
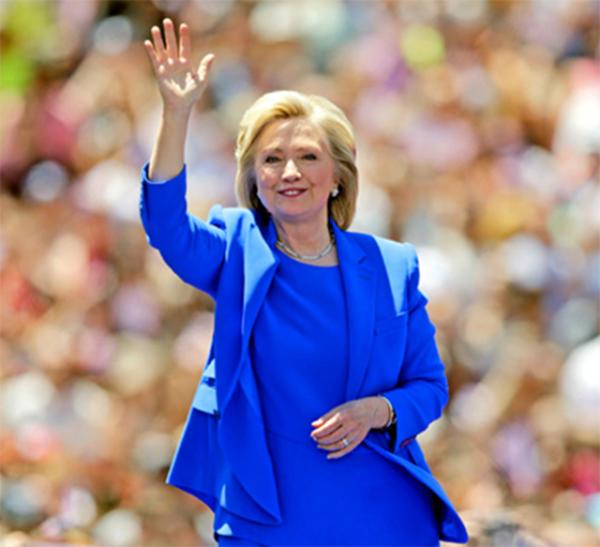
pixel 478 127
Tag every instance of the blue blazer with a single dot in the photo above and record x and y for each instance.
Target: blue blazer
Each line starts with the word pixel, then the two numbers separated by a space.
pixel 223 456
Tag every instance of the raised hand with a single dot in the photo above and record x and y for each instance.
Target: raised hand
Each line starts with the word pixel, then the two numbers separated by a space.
pixel 180 84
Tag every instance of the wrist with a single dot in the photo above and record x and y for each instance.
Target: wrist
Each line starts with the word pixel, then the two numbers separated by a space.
pixel 389 414
pixel 176 115
pixel 380 414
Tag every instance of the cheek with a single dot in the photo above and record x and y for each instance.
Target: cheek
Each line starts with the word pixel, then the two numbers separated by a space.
pixel 264 181
pixel 327 177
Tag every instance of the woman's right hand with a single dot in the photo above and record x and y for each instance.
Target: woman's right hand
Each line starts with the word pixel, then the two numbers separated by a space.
pixel 180 85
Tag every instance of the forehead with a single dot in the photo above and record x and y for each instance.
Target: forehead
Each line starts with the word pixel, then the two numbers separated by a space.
pixel 291 132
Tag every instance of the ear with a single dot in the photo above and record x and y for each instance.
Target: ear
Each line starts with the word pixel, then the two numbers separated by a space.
pixel 337 187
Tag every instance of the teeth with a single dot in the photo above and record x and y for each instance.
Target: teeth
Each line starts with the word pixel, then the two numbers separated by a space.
pixel 291 192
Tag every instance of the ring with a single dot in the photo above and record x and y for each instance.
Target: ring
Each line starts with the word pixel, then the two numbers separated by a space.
pixel 345 442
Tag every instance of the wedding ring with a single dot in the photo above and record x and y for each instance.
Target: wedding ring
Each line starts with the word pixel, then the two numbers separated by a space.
pixel 345 442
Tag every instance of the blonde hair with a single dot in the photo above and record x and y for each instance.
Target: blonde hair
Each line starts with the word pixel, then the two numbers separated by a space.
pixel 278 105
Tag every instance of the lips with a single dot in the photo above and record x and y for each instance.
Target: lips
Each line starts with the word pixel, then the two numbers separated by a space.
pixel 292 192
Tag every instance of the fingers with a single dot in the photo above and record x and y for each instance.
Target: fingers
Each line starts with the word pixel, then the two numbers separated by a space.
pixel 204 67
pixel 151 54
pixel 342 447
pixel 162 52
pixel 185 43
pixel 159 48
pixel 342 429
pixel 337 435
pixel 334 437
pixel 170 39
pixel 328 426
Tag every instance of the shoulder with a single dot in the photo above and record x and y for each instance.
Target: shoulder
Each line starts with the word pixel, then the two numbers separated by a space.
pixel 230 218
pixel 242 229
pixel 398 262
pixel 397 265
pixel 392 252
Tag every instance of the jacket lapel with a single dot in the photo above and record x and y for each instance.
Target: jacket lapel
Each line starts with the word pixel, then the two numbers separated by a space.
pixel 241 433
pixel 359 286
pixel 260 264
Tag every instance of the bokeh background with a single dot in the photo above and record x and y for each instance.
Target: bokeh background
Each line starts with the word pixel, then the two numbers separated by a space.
pixel 478 127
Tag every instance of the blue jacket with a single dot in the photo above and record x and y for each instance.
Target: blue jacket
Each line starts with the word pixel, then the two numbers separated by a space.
pixel 223 457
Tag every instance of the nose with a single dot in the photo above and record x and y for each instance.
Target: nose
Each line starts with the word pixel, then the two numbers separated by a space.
pixel 290 171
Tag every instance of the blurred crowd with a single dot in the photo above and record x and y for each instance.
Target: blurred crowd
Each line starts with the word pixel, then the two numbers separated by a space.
pixel 478 128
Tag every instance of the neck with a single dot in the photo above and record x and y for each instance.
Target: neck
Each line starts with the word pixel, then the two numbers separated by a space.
pixel 305 239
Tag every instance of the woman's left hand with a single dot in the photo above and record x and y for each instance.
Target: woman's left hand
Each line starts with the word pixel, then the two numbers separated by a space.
pixel 344 427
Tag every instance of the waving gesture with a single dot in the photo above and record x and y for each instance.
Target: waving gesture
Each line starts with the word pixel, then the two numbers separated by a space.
pixel 180 84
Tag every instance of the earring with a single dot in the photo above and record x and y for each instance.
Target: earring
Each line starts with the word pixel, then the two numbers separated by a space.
pixel 335 191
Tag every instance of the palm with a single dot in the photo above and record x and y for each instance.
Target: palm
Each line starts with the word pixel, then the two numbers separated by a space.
pixel 177 80
pixel 179 83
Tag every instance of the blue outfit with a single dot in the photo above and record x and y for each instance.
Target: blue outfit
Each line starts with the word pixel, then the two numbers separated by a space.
pixel 297 382
pixel 291 342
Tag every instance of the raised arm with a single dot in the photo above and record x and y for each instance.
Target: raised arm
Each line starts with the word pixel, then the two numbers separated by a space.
pixel 180 86
pixel 194 249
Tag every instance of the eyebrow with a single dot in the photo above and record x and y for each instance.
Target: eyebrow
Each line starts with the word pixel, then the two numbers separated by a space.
pixel 278 149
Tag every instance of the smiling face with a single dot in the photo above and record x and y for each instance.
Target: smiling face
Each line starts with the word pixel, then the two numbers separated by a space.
pixel 295 173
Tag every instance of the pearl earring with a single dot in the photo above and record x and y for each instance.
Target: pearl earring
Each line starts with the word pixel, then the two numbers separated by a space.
pixel 335 191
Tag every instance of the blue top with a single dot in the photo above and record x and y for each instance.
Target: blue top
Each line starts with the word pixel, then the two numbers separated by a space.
pixel 307 303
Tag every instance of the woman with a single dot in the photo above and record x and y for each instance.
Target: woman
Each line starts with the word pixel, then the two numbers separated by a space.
pixel 323 366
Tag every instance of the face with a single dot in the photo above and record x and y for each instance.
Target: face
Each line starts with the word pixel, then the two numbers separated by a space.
pixel 294 171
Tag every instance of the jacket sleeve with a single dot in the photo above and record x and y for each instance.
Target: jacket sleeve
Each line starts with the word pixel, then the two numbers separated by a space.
pixel 193 248
pixel 422 391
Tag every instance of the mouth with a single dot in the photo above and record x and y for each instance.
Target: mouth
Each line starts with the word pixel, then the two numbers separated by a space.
pixel 292 192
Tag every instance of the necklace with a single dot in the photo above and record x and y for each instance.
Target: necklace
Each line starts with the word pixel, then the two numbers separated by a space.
pixel 326 250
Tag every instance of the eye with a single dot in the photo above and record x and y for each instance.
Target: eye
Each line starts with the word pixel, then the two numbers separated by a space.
pixel 310 156
pixel 271 159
